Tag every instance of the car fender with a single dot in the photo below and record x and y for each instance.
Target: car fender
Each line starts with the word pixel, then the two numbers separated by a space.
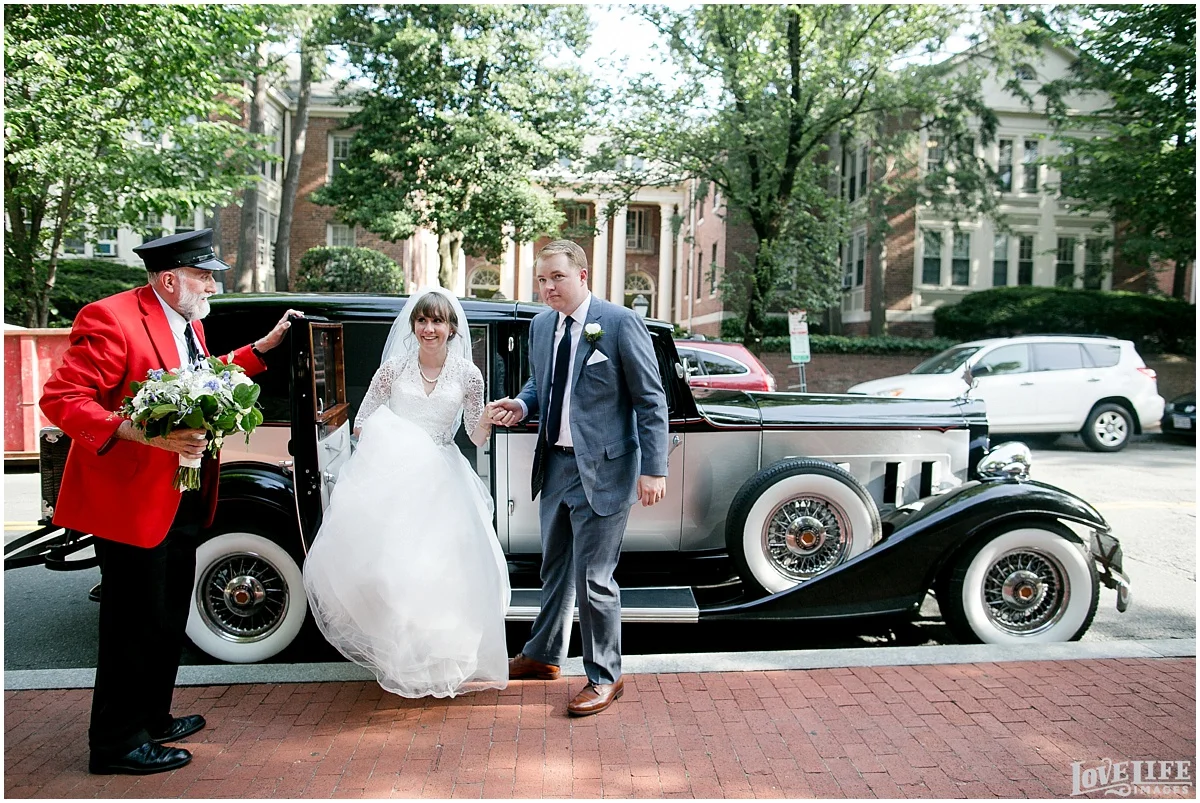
pixel 263 495
pixel 919 539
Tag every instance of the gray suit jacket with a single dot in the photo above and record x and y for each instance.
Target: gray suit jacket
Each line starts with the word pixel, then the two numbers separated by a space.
pixel 618 406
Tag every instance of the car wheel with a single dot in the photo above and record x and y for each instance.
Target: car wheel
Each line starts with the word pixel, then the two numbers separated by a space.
pixel 797 519
pixel 248 602
pixel 1108 428
pixel 1026 584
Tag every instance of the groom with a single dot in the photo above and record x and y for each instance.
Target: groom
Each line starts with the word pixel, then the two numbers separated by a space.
pixel 602 445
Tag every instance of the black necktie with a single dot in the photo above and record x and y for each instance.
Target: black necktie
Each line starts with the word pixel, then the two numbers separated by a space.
pixel 193 349
pixel 558 386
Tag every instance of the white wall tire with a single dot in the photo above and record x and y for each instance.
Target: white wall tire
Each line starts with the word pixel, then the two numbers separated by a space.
pixel 796 520
pixel 248 601
pixel 1028 584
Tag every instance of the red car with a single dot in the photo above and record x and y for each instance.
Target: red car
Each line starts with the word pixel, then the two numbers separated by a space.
pixel 713 364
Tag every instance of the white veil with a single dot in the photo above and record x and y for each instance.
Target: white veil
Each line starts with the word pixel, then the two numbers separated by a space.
pixel 401 342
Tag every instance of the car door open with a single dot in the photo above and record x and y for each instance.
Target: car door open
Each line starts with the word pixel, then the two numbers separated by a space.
pixel 321 424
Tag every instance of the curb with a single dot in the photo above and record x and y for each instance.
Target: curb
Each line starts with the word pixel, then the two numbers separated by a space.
pixel 233 674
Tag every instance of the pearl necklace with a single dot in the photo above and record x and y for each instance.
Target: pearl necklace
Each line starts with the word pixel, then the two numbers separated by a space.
pixel 433 381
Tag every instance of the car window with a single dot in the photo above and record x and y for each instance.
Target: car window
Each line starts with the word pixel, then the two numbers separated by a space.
pixel 715 364
pixel 1102 356
pixel 947 362
pixel 1058 356
pixel 690 363
pixel 1006 360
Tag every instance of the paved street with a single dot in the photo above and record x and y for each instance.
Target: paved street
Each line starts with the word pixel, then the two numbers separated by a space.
pixel 1147 492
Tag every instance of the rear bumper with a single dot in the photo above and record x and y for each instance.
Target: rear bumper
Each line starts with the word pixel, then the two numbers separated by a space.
pixel 1150 411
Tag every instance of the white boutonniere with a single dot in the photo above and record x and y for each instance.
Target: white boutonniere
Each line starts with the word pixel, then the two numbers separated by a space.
pixel 593 332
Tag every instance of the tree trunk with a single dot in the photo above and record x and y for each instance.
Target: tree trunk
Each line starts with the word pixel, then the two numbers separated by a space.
pixel 1179 280
pixel 449 246
pixel 246 269
pixel 878 326
pixel 60 227
pixel 291 181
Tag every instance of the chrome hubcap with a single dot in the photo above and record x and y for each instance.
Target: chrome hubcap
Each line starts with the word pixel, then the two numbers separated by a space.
pixel 1110 428
pixel 242 597
pixel 1025 592
pixel 806 536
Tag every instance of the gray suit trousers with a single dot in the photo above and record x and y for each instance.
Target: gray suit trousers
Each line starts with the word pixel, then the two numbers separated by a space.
pixel 579 555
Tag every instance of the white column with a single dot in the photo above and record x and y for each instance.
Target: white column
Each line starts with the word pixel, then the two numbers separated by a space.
pixel 665 247
pixel 600 254
pixel 525 286
pixel 618 258
pixel 508 267
pixel 460 284
pixel 680 273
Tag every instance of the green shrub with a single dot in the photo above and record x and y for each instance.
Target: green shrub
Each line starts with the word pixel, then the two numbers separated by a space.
pixel 840 344
pixel 775 326
pixel 1155 324
pixel 77 283
pixel 348 270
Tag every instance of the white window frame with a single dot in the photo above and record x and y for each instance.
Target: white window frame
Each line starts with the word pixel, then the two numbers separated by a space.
pixel 334 139
pixel 332 228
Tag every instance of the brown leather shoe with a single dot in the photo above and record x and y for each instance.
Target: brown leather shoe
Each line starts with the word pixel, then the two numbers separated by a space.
pixel 522 667
pixel 595 698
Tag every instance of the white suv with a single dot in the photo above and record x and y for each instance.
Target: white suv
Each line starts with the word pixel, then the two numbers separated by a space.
pixel 1096 386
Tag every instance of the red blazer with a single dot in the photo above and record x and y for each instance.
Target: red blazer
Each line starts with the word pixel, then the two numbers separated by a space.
pixel 117 489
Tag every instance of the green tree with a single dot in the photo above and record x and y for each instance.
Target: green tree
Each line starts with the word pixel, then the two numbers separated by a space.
pixel 760 93
pixel 465 103
pixel 113 114
pixel 1134 159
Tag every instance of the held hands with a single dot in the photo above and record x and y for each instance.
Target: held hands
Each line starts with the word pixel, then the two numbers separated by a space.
pixel 504 412
pixel 651 489
pixel 273 338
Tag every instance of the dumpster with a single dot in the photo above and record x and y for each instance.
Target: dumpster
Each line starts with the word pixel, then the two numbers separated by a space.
pixel 30 357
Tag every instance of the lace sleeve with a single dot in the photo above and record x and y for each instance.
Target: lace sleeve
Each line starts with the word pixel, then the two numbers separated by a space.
pixel 378 393
pixel 472 396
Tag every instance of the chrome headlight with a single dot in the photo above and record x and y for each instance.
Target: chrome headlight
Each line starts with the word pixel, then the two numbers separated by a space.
pixel 1010 460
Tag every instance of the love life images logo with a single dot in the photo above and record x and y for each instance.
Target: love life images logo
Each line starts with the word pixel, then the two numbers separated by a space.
pixel 1128 778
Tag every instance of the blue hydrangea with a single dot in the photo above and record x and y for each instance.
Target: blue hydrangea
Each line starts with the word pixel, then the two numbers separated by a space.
pixel 156 374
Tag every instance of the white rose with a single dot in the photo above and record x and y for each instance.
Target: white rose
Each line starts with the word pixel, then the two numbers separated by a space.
pixel 592 329
pixel 239 378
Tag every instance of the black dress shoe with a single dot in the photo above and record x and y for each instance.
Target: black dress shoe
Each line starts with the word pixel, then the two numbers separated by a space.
pixel 145 760
pixel 181 727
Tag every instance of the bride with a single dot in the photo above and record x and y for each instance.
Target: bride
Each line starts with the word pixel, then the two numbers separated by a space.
pixel 406 576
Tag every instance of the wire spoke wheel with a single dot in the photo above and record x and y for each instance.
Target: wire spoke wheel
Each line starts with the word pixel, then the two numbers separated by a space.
pixel 806 536
pixel 1025 591
pixel 243 597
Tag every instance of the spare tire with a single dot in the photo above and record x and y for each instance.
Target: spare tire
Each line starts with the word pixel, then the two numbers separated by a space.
pixel 797 519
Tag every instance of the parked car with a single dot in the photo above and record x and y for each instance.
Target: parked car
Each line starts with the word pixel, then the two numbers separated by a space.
pixel 779 506
pixel 714 364
pixel 1179 417
pixel 1098 387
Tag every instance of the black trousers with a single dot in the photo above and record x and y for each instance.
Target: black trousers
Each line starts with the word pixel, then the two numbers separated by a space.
pixel 145 597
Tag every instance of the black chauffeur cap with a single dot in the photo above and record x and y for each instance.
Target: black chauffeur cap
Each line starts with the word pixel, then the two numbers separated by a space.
pixel 189 249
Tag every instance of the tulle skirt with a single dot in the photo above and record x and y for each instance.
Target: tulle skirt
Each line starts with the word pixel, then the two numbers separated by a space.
pixel 406 576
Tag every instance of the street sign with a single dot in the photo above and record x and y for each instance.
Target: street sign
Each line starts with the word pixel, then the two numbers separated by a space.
pixel 798 329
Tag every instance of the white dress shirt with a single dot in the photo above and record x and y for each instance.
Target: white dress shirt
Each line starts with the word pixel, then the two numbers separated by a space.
pixel 178 326
pixel 578 319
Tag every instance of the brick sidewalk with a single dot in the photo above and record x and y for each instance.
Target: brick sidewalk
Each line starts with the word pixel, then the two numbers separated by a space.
pixel 972 730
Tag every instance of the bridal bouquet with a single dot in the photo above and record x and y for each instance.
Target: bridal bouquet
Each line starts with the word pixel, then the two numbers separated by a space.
pixel 211 395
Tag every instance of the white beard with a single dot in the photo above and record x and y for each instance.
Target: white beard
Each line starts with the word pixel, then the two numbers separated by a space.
pixel 193 306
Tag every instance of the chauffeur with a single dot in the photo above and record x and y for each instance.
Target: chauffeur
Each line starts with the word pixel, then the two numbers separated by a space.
pixel 117 485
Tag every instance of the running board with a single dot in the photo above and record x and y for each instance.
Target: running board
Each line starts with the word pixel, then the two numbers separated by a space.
pixel 666 604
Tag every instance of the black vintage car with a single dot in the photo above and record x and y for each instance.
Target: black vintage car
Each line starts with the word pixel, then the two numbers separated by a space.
pixel 779 506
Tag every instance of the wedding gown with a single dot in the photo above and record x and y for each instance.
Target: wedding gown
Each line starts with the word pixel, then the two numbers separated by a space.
pixel 406 576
